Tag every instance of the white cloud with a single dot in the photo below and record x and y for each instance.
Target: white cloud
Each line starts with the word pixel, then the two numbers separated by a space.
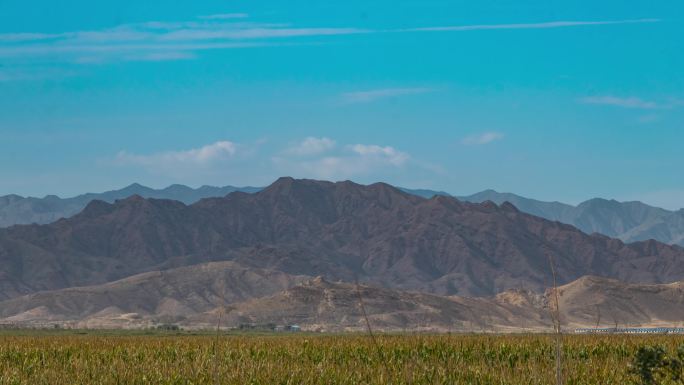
pixel 373 95
pixel 483 138
pixel 350 161
pixel 312 146
pixel 225 16
pixel 196 157
pixel 631 102
pixel 385 154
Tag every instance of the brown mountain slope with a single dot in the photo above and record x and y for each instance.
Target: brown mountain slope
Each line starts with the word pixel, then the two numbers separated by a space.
pixel 335 306
pixel 318 304
pixel 338 230
pixel 168 295
pixel 193 297
pixel 322 305
pixel 608 302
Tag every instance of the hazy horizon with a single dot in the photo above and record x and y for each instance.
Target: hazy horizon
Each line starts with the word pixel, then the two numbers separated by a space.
pixel 196 187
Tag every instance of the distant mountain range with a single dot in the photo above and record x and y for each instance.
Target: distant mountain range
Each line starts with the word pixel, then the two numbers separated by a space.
pixel 337 230
pixel 435 263
pixel 18 210
pixel 628 221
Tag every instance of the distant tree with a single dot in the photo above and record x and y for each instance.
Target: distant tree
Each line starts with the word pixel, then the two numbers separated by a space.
pixel 168 327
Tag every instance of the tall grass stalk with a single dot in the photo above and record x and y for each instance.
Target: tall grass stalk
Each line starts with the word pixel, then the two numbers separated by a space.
pixel 555 318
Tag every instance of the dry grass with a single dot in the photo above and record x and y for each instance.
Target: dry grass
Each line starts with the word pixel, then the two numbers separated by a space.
pixel 309 359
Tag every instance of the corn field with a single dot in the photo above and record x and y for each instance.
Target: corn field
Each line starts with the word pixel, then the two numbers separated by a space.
pixel 317 359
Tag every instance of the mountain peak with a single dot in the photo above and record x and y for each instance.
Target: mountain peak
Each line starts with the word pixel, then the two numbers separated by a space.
pixel 132 199
pixel 177 186
pixel 289 185
pixel 10 199
pixel 12 196
pixel 599 202
pixel 331 198
pixel 489 205
pixel 384 186
pixel 281 184
pixel 96 208
pixel 283 181
pixel 509 207
pixel 134 186
pixel 137 201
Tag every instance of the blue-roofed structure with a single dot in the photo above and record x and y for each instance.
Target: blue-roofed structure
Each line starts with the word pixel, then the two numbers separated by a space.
pixel 657 330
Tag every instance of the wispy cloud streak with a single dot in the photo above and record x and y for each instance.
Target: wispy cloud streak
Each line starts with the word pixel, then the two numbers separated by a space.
pixel 311 146
pixel 483 138
pixel 627 102
pixel 220 31
pixel 203 155
pixel 256 33
pixel 544 25
pixel 28 37
pixel 373 95
pixel 225 16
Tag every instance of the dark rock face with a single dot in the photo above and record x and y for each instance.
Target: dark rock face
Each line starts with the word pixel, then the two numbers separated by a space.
pixel 338 230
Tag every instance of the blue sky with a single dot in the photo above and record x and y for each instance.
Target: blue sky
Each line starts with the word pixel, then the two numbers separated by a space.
pixel 553 101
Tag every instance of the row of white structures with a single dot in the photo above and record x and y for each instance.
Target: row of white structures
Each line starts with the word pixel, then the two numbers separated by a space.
pixel 630 330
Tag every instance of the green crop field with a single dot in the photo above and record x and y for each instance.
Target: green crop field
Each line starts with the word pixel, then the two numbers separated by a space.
pixel 104 358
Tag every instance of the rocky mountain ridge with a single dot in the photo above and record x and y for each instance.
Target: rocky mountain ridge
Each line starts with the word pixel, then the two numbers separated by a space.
pixel 341 231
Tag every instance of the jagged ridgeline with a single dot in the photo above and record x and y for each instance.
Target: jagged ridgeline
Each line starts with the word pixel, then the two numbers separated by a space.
pixel 387 238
